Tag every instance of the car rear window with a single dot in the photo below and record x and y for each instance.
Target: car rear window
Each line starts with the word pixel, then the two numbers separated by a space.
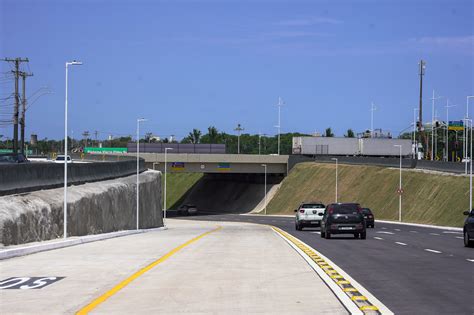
pixel 366 211
pixel 312 205
pixel 346 208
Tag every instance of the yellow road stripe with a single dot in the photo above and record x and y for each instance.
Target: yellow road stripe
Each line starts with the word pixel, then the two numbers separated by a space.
pixel 124 283
pixel 359 298
pixel 368 308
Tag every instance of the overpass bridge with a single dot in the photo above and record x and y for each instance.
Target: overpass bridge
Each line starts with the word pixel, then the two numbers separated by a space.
pixel 216 163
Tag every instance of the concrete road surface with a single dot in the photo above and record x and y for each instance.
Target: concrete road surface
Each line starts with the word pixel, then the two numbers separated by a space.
pixel 238 269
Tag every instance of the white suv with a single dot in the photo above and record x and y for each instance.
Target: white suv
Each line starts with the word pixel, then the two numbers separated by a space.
pixel 309 214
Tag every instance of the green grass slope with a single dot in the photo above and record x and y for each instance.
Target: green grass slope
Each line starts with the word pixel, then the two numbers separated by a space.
pixel 428 198
pixel 178 184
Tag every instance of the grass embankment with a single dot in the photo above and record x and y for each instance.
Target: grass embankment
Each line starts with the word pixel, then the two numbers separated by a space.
pixel 178 184
pixel 427 198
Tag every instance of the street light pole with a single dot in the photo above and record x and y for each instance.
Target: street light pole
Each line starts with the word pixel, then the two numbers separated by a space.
pixel 400 186
pixel 265 187
pixel 280 104
pixel 447 128
pixel 415 151
pixel 73 63
pixel 239 130
pixel 335 159
pixel 164 207
pixel 139 120
pixel 465 144
pixel 372 109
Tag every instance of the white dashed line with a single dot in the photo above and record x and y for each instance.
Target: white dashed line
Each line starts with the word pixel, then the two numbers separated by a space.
pixel 384 228
pixel 383 232
pixel 315 232
pixel 398 230
pixel 460 237
pixel 378 238
pixel 451 232
pixel 432 251
pixel 435 234
pixel 414 231
pixel 471 260
pixel 400 243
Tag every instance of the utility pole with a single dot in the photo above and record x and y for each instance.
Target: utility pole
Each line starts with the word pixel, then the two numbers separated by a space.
pixel 16 112
pixel 96 141
pixel 23 110
pixel 421 135
pixel 239 129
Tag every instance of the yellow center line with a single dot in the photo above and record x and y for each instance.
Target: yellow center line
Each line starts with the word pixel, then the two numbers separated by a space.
pixel 86 309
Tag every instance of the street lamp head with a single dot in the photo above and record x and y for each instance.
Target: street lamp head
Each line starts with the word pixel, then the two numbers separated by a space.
pixel 166 149
pixel 141 119
pixel 74 63
pixel 264 165
pixel 334 159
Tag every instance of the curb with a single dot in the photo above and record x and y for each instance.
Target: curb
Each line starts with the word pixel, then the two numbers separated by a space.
pixel 449 228
pixel 27 250
pixel 354 297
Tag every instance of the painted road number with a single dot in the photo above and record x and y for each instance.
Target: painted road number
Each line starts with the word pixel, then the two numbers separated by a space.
pixel 26 283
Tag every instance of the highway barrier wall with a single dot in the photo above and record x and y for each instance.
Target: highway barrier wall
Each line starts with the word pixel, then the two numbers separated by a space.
pixel 449 167
pixel 19 178
pixel 93 208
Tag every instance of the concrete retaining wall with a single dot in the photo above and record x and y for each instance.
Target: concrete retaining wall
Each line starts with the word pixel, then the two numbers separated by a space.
pixel 92 208
pixel 18 178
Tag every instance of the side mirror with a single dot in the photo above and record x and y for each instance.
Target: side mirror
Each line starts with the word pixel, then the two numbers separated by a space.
pixel 466 213
pixel 295 210
pixel 321 214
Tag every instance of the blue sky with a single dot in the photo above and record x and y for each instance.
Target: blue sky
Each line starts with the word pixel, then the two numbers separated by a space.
pixel 192 64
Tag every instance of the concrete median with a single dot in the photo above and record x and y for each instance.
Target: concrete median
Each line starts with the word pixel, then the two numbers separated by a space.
pixel 93 208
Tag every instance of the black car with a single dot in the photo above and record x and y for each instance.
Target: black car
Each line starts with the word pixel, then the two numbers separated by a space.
pixel 13 158
pixel 468 229
pixel 369 217
pixel 343 218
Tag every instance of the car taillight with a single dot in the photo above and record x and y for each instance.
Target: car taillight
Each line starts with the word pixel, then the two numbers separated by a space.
pixel 301 210
pixel 330 210
pixel 358 226
pixel 370 216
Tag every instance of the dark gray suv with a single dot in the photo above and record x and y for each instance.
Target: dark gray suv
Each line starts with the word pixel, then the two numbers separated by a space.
pixel 468 229
pixel 343 218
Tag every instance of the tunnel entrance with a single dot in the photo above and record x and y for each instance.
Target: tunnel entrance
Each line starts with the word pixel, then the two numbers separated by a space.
pixel 229 193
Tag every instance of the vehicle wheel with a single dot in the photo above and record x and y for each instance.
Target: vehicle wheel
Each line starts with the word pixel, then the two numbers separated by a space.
pixel 323 235
pixel 373 226
pixel 297 227
pixel 467 242
pixel 363 235
pixel 328 235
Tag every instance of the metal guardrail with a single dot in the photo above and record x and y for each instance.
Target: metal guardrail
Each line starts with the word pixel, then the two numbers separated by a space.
pixel 20 178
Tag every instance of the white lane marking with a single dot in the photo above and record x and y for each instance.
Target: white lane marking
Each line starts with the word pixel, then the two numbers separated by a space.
pixel 315 232
pixel 378 238
pixel 398 230
pixel 460 237
pixel 414 231
pixel 435 234
pixel 471 260
pixel 384 228
pixel 433 251
pixel 451 232
pixel 383 232
pixel 400 243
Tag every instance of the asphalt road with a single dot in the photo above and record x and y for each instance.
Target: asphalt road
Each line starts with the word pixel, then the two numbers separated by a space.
pixel 412 270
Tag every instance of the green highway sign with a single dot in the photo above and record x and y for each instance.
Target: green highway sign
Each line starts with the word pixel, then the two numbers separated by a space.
pixel 105 150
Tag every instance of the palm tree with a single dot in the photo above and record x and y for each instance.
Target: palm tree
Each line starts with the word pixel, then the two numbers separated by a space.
pixel 195 136
pixel 350 133
pixel 213 134
pixel 329 132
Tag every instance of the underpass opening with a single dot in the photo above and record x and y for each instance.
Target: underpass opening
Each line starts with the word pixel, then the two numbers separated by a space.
pixel 229 193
